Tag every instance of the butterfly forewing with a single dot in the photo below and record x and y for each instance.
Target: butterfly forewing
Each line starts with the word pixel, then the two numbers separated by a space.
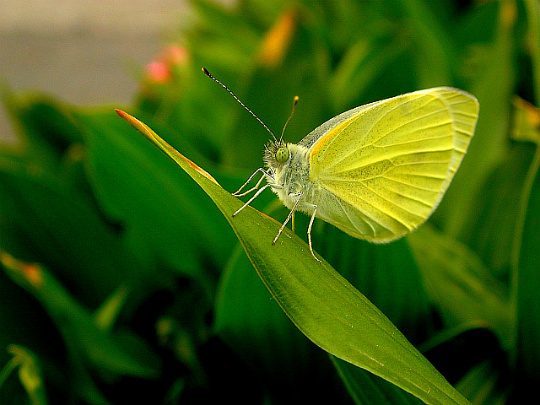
pixel 389 163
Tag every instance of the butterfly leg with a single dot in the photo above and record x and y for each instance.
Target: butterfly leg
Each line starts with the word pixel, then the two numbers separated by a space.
pixel 309 233
pixel 259 191
pixel 261 170
pixel 291 215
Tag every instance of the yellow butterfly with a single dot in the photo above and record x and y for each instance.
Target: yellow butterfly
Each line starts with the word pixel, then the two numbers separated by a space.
pixel 377 171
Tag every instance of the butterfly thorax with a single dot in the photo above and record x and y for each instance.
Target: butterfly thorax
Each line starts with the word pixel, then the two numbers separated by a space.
pixel 288 174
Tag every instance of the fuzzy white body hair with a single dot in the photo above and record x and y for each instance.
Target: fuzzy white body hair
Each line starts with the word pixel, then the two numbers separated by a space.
pixel 291 181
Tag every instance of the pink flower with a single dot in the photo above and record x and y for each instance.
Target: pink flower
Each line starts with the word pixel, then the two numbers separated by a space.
pixel 176 55
pixel 161 69
pixel 158 72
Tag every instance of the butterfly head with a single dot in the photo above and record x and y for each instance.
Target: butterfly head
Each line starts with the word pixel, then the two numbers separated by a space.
pixel 276 154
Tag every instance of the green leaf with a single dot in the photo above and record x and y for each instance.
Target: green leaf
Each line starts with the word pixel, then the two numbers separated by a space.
pixel 485 385
pixel 165 214
pixel 26 323
pixel 255 327
pixel 75 322
pixel 44 221
pixel 532 8
pixel 215 20
pixel 366 388
pixel 106 314
pixel 361 66
pixel 433 51
pixel 493 62
pixel 45 128
pixel 386 274
pixel 527 280
pixel 491 235
pixel 320 302
pixel 460 285
pixel 29 374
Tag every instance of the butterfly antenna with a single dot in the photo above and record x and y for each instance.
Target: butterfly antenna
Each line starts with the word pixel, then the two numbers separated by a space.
pixel 295 102
pixel 207 73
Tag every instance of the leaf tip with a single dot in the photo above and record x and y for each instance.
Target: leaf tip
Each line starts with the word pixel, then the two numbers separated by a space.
pixel 121 113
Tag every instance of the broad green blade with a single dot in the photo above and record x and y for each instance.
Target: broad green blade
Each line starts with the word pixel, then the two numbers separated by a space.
pixel 459 284
pixel 526 262
pixel 255 327
pixel 532 8
pixel 319 301
pixel 366 388
pixel 96 346
pixel 489 145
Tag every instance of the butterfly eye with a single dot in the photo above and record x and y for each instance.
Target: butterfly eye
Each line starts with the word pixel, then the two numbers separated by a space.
pixel 282 155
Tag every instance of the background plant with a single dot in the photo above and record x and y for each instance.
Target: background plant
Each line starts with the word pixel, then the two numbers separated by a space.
pixel 140 288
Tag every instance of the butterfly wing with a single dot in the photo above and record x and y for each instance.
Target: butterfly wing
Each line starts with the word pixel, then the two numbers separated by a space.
pixel 384 167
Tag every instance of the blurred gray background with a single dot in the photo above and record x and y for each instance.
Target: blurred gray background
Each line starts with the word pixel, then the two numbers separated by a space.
pixel 85 52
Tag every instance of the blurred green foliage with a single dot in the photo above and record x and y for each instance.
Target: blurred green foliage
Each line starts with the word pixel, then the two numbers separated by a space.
pixel 140 290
